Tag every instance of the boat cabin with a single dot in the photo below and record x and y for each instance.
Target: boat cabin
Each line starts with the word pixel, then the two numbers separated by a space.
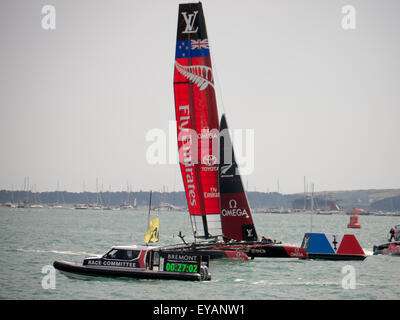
pixel 142 257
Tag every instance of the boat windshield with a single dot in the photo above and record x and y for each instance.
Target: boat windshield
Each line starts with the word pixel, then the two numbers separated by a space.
pixel 122 254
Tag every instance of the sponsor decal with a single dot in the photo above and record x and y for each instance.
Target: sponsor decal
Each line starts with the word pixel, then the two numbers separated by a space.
pixel 249 231
pixel 234 211
pixel 182 257
pixel 209 159
pixel 200 75
pixel 206 133
pixel 189 20
pixel 186 137
pixel 211 194
pixel 209 168
pixel 296 252
pixel 258 251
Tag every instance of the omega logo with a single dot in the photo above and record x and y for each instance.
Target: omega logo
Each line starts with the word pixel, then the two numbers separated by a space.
pixel 232 204
pixel 234 211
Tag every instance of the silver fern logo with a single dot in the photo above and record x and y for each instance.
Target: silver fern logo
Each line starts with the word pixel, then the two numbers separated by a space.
pixel 200 75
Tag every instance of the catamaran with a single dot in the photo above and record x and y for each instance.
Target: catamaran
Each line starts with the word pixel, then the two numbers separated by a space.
pixel 219 211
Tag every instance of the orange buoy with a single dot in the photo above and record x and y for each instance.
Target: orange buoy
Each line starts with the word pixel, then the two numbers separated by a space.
pixel 354 219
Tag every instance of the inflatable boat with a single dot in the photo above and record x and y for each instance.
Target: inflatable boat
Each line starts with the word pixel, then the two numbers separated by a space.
pixel 389 248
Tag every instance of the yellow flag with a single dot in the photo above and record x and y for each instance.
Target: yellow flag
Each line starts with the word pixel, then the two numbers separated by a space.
pixel 152 232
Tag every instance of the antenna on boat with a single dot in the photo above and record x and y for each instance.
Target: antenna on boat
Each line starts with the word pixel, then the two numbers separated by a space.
pixel 148 218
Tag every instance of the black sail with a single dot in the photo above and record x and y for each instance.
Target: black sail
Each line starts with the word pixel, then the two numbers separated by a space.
pixel 236 219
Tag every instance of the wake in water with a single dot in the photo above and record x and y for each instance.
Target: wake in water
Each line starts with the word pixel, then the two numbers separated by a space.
pixel 368 252
pixel 71 253
pixel 296 283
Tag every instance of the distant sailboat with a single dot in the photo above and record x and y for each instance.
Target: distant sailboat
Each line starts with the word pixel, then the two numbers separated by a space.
pixel 80 207
pixel 127 203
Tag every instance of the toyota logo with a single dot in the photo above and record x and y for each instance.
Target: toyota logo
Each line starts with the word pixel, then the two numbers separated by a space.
pixel 209 159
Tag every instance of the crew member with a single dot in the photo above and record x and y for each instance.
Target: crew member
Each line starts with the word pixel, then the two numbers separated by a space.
pixel 266 240
pixel 391 232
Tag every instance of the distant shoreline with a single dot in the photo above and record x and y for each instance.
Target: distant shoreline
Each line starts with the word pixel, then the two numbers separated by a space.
pixel 371 199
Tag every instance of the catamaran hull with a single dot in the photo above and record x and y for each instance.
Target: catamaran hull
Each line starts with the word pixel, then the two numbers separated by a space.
pixel 262 250
pixel 73 269
pixel 276 251
pixel 212 253
pixel 224 254
pixel 242 251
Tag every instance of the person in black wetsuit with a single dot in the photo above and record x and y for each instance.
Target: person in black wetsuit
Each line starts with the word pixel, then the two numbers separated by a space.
pixel 391 232
pixel 264 240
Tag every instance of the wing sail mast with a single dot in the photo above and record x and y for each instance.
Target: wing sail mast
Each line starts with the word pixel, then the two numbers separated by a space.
pixel 197 121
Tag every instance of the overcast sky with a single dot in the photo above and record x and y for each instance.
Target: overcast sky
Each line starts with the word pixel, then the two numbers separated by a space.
pixel 77 102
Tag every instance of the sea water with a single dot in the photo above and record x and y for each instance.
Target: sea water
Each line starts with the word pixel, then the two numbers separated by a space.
pixel 31 239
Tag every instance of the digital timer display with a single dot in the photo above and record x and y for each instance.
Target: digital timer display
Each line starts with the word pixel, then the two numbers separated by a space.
pixel 183 262
pixel 181 267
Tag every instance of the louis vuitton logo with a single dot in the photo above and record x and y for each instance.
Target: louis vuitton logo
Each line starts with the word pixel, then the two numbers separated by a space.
pixel 189 19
